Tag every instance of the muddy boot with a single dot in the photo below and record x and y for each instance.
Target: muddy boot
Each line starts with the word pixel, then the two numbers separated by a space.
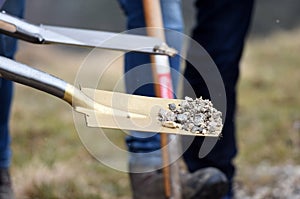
pixel 205 183
pixel 6 191
pixel 146 176
pixel 208 183
pixel 147 185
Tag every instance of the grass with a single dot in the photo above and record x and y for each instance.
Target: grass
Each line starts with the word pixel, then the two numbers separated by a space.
pixel 269 100
pixel 50 161
pixel 268 107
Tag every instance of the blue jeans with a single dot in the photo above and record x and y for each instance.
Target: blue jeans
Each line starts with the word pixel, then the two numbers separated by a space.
pixel 139 80
pixel 8 48
pixel 221 29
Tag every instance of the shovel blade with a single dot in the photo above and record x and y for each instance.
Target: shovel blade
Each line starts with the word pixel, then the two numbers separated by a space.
pixel 147 106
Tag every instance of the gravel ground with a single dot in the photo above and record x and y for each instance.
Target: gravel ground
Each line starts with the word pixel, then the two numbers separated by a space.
pixel 272 182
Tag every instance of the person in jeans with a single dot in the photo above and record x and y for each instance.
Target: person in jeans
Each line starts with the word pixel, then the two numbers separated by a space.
pixel 8 47
pixel 221 28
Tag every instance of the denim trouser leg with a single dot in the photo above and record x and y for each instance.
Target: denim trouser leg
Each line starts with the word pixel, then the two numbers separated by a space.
pixel 221 29
pixel 139 74
pixel 6 89
pixel 7 48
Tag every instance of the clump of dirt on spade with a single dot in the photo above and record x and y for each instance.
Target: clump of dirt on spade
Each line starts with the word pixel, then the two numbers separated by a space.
pixel 195 116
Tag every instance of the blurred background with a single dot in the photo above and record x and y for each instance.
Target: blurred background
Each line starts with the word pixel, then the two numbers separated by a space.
pixel 270 15
pixel 50 161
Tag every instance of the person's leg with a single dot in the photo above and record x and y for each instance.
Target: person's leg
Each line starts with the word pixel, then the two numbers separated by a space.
pixel 221 29
pixel 138 71
pixel 7 48
pixel 145 156
pixel 144 149
pixel 6 88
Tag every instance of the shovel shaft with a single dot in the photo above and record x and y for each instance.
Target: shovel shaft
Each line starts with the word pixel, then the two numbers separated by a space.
pixel 45 82
pixel 42 81
pixel 42 34
pixel 28 76
pixel 19 29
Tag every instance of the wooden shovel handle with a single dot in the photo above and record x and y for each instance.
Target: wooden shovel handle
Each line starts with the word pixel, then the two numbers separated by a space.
pixel 153 18
pixel 154 23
